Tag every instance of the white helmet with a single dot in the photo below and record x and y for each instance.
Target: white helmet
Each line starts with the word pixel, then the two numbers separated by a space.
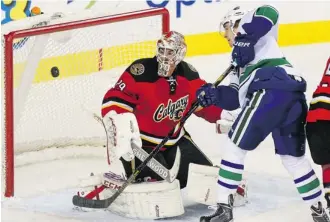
pixel 171 50
pixel 232 17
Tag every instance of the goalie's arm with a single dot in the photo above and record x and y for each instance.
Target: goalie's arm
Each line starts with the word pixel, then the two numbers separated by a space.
pixel 119 120
pixel 123 97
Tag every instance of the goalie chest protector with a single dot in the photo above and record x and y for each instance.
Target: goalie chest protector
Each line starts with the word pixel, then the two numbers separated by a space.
pixel 320 103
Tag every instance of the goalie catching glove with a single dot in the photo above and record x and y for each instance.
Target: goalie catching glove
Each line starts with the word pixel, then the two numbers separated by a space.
pixel 122 130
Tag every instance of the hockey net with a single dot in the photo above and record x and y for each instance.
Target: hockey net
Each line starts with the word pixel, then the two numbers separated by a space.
pixel 56 69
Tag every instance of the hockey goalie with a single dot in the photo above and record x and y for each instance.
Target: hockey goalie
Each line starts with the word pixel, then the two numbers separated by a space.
pixel 145 104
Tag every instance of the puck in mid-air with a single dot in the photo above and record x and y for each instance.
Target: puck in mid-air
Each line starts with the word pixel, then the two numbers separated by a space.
pixel 55 72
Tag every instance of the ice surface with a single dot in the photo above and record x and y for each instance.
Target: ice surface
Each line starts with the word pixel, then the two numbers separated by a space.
pixel 46 180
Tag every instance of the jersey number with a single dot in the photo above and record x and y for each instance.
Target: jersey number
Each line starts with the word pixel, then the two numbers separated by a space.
pixel 121 85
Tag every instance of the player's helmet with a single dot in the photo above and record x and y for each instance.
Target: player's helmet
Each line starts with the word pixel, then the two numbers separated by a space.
pixel 232 17
pixel 171 50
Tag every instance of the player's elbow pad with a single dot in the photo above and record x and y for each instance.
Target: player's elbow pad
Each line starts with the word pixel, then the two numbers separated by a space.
pixel 227 98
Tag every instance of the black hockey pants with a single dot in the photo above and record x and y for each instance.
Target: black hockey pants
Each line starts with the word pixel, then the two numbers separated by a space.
pixel 190 153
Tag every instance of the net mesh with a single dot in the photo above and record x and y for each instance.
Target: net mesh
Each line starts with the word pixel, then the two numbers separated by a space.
pixel 60 78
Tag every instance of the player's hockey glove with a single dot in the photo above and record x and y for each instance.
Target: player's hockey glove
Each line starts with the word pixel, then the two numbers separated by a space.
pixel 207 95
pixel 243 51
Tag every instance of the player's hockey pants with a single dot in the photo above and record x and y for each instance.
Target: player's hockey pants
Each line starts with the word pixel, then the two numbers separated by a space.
pixel 318 136
pixel 281 113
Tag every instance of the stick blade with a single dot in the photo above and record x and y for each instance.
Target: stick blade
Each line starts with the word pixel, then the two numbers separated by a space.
pixel 89 203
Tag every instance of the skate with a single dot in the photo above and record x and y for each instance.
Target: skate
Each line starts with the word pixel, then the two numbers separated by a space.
pixel 319 214
pixel 223 213
pixel 327 198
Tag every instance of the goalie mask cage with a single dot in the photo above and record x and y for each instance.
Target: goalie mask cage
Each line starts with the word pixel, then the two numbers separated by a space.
pixel 56 70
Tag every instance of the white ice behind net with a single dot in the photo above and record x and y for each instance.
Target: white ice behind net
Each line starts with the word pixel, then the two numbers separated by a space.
pixel 59 112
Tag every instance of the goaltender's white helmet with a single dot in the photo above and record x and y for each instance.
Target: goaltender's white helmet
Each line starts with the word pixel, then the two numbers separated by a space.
pixel 232 17
pixel 171 50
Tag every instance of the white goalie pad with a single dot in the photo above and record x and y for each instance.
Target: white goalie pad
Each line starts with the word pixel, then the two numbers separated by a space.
pixel 202 185
pixel 146 200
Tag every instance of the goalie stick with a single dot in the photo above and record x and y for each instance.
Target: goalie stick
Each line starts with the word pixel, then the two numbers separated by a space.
pixel 158 168
pixel 168 175
pixel 90 203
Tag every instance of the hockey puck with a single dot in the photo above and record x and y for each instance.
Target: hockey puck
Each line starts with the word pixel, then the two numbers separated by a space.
pixel 55 72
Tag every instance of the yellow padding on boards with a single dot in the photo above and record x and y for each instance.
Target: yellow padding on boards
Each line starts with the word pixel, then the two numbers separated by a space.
pixel 69 65
pixel 206 44
pixel 289 34
pixel 125 54
pixel 304 33
pixel 87 62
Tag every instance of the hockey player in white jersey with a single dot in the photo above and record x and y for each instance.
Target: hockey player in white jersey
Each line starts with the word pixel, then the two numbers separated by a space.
pixel 271 94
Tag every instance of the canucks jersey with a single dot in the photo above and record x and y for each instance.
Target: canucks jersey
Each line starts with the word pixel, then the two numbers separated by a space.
pixel 263 22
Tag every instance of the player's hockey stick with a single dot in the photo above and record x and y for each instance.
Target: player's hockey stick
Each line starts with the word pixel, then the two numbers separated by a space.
pixel 167 174
pixel 89 203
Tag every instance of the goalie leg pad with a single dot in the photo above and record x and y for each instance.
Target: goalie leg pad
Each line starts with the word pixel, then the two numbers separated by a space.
pixel 202 186
pixel 144 200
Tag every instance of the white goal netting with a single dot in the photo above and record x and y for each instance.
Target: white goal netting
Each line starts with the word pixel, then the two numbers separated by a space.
pixel 60 77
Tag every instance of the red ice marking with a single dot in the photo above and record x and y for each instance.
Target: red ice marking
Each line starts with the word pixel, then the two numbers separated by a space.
pixel 326 175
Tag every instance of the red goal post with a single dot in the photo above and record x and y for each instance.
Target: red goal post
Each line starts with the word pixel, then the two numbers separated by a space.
pixel 27 77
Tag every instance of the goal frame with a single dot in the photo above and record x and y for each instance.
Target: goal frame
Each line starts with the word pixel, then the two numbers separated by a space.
pixel 9 71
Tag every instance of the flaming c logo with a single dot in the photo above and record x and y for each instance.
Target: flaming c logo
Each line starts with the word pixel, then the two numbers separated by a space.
pixel 173 110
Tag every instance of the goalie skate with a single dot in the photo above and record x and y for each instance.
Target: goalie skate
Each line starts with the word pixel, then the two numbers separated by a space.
pixel 139 200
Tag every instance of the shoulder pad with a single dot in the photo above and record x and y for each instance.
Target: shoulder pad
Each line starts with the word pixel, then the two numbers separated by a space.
pixel 144 70
pixel 269 12
pixel 188 71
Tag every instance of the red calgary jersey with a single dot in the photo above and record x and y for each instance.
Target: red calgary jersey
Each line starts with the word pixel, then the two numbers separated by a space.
pixel 141 91
pixel 320 104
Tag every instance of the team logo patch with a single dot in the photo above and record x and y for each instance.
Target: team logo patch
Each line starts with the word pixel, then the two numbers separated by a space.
pixel 173 110
pixel 191 67
pixel 137 69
